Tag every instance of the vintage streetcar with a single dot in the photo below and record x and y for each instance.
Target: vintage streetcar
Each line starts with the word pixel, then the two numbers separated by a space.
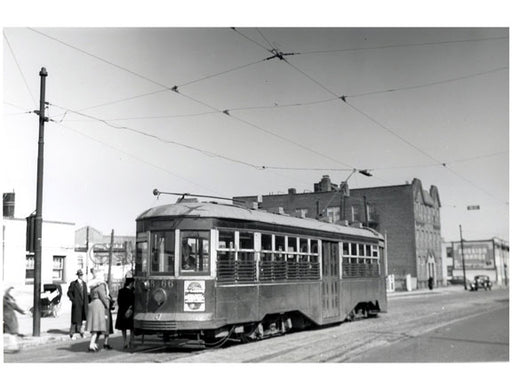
pixel 208 272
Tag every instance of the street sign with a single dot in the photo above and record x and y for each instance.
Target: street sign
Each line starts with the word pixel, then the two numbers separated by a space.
pixel 474 207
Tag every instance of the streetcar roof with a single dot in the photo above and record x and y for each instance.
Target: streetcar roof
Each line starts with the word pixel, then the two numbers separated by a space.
pixel 227 211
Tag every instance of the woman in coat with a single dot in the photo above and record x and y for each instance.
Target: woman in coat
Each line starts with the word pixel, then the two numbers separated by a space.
pixel 98 316
pixel 125 302
pixel 11 321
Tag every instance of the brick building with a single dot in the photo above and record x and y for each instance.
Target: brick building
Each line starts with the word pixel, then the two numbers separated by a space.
pixel 407 214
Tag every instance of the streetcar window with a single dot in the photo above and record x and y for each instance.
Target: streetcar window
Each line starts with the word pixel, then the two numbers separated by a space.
pixel 141 258
pixel 162 253
pixel 195 252
pixel 292 244
pixel 280 243
pixel 266 242
pixel 314 246
pixel 345 249
pixel 353 249
pixel 226 239
pixel 246 240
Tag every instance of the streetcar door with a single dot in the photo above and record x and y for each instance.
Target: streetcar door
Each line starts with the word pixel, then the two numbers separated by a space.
pixel 330 279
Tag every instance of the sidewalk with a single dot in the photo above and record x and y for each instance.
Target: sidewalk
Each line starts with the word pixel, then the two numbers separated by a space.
pixel 52 329
pixel 426 291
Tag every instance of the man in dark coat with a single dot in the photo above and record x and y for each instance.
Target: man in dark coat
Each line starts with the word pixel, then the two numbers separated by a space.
pixel 77 293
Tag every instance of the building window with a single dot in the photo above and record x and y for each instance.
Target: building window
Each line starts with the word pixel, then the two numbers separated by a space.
pixel 333 214
pixel 29 267
pixel 302 213
pixel 58 268
pixel 356 214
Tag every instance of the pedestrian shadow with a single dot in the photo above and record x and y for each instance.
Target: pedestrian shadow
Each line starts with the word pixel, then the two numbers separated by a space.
pixel 57 331
pixel 81 346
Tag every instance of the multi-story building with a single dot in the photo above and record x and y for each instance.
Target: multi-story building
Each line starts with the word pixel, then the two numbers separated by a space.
pixel 407 215
pixel 481 257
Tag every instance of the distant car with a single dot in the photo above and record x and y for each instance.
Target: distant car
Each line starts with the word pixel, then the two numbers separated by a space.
pixel 480 282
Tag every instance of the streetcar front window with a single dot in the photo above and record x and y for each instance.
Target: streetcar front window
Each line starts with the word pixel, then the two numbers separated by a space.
pixel 195 252
pixel 141 258
pixel 162 253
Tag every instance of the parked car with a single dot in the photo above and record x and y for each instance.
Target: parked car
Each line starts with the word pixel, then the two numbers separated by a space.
pixel 480 282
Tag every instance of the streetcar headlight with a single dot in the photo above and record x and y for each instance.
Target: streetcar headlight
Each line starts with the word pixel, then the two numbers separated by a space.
pixel 145 285
pixel 160 296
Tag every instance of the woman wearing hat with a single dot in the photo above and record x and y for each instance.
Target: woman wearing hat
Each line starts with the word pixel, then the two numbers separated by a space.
pixel 77 293
pixel 99 317
pixel 125 302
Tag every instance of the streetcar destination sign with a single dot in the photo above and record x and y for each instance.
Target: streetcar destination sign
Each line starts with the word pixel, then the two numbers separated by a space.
pixel 474 207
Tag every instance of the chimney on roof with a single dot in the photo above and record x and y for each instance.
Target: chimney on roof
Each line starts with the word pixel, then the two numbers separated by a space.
pixel 292 191
pixel 324 185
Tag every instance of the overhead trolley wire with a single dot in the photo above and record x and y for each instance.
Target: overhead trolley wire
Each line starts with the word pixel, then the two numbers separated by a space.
pixel 19 69
pixel 344 99
pixel 175 89
pixel 424 85
pixel 400 45
pixel 146 134
pixel 133 156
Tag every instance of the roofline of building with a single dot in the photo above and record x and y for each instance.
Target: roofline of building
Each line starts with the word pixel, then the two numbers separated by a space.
pixel 44 221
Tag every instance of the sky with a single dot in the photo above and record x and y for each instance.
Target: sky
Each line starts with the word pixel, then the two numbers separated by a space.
pixel 426 103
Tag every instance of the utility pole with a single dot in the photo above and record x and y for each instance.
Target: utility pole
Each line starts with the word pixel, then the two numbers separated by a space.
pixel 365 204
pixel 36 323
pixel 109 282
pixel 87 251
pixel 462 254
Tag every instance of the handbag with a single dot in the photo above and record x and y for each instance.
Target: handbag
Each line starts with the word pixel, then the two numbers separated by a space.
pixel 128 313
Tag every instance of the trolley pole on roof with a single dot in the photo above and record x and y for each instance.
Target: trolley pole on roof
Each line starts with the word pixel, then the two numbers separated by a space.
pixel 36 323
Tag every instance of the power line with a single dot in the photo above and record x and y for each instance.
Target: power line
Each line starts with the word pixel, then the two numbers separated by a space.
pixel 133 156
pixel 220 73
pixel 290 141
pixel 19 69
pixel 391 132
pixel 343 98
pixel 401 45
pixel 250 39
pixel 147 117
pixel 146 134
pixel 100 58
pixel 175 89
pixel 420 150
pixel 167 88
pixel 429 84
pixel 124 99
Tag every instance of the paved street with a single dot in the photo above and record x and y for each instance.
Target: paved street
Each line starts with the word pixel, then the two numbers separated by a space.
pixel 440 326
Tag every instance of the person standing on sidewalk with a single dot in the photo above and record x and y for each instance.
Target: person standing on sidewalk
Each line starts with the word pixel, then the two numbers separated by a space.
pixel 125 303
pixel 77 293
pixel 99 317
pixel 11 321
